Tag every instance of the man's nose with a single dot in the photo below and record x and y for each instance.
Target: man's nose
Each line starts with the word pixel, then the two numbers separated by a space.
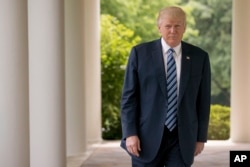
pixel 172 29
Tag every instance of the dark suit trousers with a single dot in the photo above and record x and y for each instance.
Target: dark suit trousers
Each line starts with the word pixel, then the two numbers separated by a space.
pixel 168 155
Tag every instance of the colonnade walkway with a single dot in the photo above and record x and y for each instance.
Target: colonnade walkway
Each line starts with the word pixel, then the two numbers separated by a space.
pixel 109 154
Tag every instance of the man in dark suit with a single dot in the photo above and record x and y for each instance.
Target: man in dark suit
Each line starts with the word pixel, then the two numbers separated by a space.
pixel 146 98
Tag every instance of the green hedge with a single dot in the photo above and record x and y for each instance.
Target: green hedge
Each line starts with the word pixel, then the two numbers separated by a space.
pixel 219 124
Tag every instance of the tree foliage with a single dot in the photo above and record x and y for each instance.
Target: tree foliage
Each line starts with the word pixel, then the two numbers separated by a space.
pixel 140 15
pixel 116 41
pixel 213 20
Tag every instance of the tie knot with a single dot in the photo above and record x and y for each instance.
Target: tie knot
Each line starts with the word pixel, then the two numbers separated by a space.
pixel 170 54
pixel 170 51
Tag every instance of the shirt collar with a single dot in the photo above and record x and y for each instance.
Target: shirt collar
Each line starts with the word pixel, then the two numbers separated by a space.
pixel 165 47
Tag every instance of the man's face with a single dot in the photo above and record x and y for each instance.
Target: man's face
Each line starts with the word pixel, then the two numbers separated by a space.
pixel 172 30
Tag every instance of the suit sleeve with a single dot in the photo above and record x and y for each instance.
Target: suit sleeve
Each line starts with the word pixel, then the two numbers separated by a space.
pixel 130 98
pixel 204 101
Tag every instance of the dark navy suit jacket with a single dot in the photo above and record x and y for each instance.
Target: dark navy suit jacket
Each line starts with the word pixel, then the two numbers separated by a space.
pixel 144 99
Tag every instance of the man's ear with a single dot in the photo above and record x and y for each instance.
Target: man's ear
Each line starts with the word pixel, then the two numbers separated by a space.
pixel 159 28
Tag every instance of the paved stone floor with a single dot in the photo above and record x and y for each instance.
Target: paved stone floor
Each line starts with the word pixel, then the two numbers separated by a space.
pixel 109 154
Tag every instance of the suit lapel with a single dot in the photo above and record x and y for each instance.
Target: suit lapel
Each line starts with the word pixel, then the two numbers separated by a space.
pixel 158 64
pixel 185 70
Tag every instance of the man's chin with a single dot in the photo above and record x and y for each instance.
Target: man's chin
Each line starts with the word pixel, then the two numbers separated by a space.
pixel 173 43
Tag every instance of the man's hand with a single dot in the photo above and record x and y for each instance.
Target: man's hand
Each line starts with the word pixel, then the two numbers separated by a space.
pixel 133 145
pixel 199 147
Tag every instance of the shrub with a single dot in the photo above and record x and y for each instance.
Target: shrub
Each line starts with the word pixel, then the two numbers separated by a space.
pixel 219 124
pixel 116 42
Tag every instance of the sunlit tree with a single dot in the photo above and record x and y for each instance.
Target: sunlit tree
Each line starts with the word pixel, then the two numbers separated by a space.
pixel 116 42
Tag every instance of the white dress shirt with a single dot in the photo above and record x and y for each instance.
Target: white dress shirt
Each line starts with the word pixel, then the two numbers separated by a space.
pixel 177 57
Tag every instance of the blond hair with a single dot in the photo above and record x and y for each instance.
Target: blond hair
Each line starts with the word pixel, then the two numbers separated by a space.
pixel 172 11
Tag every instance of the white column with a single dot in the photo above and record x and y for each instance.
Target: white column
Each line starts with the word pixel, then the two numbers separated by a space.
pixel 240 93
pixel 92 68
pixel 14 104
pixel 75 115
pixel 47 87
